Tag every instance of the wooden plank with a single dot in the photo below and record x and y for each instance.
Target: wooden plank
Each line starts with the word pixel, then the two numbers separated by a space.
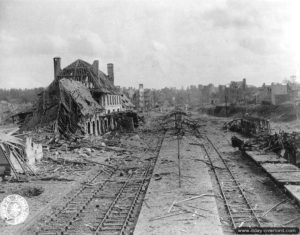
pixel 268 158
pixel 291 177
pixel 264 157
pixel 280 167
pixel 294 191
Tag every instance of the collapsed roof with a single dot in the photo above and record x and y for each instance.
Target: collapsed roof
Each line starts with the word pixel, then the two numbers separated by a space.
pixel 65 104
pixel 126 102
pixel 81 70
pixel 80 95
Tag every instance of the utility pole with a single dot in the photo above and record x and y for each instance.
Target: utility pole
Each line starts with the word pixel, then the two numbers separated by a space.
pixel 296 106
pixel 178 118
pixel 179 171
pixel 226 101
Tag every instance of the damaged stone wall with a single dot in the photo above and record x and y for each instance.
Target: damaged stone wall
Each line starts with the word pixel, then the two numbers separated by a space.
pixel 100 124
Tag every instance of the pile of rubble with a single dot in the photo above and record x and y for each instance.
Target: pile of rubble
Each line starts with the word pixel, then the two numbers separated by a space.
pixel 177 119
pixel 284 144
pixel 249 126
pixel 40 155
pixel 18 154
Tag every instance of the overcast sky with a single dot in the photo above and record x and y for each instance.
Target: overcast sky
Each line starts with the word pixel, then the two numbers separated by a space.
pixel 158 43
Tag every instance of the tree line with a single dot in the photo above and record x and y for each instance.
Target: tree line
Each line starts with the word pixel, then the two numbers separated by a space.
pixel 19 95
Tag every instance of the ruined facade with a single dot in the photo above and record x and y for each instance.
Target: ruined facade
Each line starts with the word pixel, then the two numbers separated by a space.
pixel 141 98
pixel 236 91
pixel 263 95
pixel 80 99
pixel 206 93
pixel 149 99
pixel 102 89
pixel 100 85
pixel 279 94
pixel 275 94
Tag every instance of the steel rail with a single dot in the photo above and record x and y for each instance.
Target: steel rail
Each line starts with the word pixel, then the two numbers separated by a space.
pixel 239 187
pixel 74 197
pixel 221 190
pixel 112 205
pixel 233 180
pixel 135 202
pixel 64 220
pixel 77 195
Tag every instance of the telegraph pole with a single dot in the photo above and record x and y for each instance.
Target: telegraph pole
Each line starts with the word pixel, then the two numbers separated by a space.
pixel 178 120
pixel 226 101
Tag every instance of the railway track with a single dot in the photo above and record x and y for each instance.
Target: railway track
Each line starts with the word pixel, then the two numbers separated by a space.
pixel 107 204
pixel 239 209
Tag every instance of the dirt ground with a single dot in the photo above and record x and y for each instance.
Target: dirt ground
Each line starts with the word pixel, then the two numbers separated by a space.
pixel 42 196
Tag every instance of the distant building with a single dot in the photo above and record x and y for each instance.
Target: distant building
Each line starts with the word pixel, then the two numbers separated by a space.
pixel 279 93
pixel 236 91
pixel 141 97
pixel 263 95
pixel 221 94
pixel 206 93
pixel 149 99
pixel 275 94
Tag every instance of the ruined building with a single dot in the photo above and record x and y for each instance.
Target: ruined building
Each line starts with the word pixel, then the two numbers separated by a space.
pixel 275 94
pixel 81 99
pixel 100 85
pixel 141 97
pixel 148 99
pixel 237 91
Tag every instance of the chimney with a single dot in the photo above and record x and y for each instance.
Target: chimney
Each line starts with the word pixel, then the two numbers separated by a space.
pixel 244 84
pixel 141 96
pixel 96 66
pixel 110 72
pixel 57 68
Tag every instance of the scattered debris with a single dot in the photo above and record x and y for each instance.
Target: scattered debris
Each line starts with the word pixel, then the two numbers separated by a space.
pixel 13 154
pixel 30 191
pixel 286 144
pixel 273 207
pixel 249 126
pixel 157 177
pixel 167 215
pixel 55 178
pixel 290 221
pixel 238 143
pixel 208 163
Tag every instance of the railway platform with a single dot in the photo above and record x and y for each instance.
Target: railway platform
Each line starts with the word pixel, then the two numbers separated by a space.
pixel 284 174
